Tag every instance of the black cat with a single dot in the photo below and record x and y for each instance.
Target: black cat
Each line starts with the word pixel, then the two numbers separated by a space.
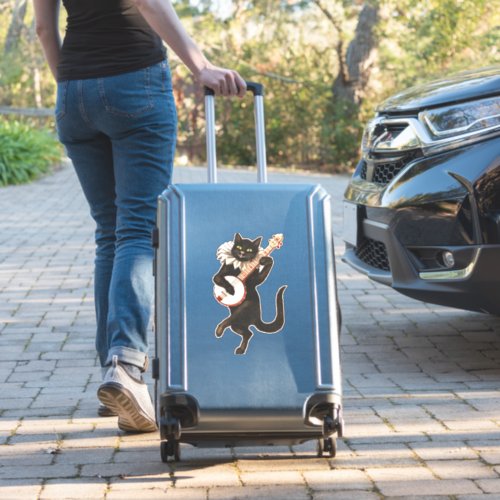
pixel 235 257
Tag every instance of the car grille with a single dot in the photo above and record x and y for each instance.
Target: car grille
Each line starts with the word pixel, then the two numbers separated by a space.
pixel 364 168
pixel 383 173
pixel 373 253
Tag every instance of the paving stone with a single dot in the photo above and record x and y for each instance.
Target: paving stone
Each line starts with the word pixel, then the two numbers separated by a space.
pixel 283 464
pixel 6 354
pixel 21 441
pixel 388 474
pixel 471 425
pixel 383 454
pixel 16 403
pixel 56 411
pixel 35 365
pixel 69 489
pixel 470 435
pixel 24 458
pixel 428 487
pixel 193 456
pixel 481 496
pixel 266 452
pixel 146 493
pixel 37 471
pixel 135 484
pixel 251 492
pixel 8 425
pixel 309 449
pixel 214 476
pixel 490 457
pixel 131 469
pixel 143 455
pixel 84 456
pixel 417 426
pixel 131 439
pixel 21 489
pixel 271 478
pixel 461 469
pixel 438 450
pixel 369 429
pixel 95 439
pixel 338 479
pixel 15 390
pixel 37 376
pixel 55 400
pixel 345 495
pixel 418 497
pixel 187 494
pixel 86 362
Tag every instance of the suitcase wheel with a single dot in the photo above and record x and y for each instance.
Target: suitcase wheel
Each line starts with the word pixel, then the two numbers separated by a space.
pixel 169 449
pixel 329 426
pixel 328 445
pixel 170 445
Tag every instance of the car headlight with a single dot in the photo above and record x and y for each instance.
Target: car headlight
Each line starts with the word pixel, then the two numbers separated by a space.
pixel 434 130
pixel 469 118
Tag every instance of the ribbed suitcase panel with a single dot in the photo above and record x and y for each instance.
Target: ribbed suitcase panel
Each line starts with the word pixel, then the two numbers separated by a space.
pixel 279 370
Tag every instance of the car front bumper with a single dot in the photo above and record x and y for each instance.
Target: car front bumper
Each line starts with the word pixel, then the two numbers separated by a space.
pixel 397 233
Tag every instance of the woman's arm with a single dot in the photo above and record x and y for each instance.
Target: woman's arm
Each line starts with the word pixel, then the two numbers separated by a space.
pixel 162 17
pixel 47 29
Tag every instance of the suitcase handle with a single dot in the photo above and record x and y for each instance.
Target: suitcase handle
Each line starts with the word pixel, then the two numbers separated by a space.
pixel 254 87
pixel 260 134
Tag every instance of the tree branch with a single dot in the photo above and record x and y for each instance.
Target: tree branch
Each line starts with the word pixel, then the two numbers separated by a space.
pixel 16 26
pixel 328 15
pixel 339 47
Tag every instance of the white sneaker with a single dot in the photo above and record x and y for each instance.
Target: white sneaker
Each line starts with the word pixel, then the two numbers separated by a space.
pixel 128 398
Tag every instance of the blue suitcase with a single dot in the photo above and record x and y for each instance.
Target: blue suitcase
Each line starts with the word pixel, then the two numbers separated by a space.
pixel 246 317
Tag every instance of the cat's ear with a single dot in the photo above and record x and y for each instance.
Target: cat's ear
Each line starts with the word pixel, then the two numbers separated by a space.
pixel 257 242
pixel 237 238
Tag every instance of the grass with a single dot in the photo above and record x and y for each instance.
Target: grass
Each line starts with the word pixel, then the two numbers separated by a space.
pixel 25 152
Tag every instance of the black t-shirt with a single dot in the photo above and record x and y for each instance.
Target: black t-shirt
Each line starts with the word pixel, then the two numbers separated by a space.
pixel 104 38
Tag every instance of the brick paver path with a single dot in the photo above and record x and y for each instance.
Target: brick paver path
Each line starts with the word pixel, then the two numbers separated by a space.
pixel 422 399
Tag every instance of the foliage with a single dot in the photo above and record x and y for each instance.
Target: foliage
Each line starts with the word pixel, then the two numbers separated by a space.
pixel 422 40
pixel 296 48
pixel 25 79
pixel 25 152
pixel 290 55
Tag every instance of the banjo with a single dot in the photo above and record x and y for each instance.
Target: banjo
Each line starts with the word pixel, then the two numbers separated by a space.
pixel 238 282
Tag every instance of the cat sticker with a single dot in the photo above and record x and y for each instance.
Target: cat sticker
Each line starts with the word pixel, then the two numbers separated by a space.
pixel 245 265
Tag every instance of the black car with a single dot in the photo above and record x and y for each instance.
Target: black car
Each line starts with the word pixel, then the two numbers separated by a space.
pixel 422 210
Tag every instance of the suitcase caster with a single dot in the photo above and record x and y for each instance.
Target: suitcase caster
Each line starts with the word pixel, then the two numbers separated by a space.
pixel 170 449
pixel 328 426
pixel 171 432
pixel 334 424
pixel 328 445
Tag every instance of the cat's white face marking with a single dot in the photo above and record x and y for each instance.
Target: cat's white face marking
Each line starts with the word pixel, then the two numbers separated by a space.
pixel 224 256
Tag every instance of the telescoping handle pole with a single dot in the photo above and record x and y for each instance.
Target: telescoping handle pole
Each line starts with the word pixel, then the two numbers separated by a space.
pixel 260 132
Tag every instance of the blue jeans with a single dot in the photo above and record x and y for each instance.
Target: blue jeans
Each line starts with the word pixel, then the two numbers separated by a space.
pixel 120 133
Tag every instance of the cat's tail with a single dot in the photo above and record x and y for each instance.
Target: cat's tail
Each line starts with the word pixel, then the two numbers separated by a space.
pixel 278 323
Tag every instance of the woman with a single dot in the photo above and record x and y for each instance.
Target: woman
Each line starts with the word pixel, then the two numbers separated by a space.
pixel 116 117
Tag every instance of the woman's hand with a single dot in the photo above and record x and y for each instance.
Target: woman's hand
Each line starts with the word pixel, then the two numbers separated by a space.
pixel 161 16
pixel 224 82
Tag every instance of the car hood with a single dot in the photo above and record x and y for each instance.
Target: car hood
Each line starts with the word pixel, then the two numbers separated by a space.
pixel 459 87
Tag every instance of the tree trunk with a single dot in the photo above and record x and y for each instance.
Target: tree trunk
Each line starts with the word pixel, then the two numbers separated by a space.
pixel 351 83
pixel 16 26
pixel 35 63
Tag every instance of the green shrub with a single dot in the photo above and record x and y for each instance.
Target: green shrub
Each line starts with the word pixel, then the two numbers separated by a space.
pixel 25 152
